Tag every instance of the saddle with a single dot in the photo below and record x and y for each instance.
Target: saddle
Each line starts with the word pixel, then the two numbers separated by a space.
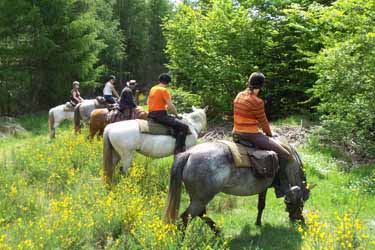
pixel 115 115
pixel 150 127
pixel 100 102
pixel 263 163
pixel 69 107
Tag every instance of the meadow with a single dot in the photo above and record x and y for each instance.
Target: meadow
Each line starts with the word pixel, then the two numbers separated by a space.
pixel 52 197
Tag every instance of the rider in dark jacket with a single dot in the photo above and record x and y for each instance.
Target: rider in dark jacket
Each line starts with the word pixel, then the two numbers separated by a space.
pixel 126 97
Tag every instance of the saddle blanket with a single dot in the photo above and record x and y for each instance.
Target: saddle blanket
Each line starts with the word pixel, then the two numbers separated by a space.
pixel 154 128
pixel 151 127
pixel 249 157
pixel 68 107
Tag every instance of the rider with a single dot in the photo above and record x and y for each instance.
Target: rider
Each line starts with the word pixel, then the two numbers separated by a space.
pixel 127 103
pixel 249 113
pixel 159 100
pixel 109 88
pixel 75 97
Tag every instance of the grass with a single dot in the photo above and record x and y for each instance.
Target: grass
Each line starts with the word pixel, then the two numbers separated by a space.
pixel 52 197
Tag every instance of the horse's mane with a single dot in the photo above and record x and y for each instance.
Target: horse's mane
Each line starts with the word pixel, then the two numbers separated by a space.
pixel 191 118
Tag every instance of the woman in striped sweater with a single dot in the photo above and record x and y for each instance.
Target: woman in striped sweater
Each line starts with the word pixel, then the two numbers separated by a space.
pixel 249 115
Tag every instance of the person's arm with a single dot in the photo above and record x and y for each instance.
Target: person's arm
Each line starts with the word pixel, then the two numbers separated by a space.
pixel 115 91
pixel 262 119
pixel 171 107
pixel 80 97
pixel 75 96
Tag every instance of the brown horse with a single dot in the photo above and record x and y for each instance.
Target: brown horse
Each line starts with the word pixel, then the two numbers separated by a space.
pixel 98 120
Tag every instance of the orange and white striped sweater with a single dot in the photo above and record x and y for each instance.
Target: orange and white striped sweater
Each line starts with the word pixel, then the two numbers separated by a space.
pixel 249 114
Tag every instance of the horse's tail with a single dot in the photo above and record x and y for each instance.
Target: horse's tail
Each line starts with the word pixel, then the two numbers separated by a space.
pixel 51 123
pixel 77 118
pixel 108 167
pixel 175 185
pixel 93 124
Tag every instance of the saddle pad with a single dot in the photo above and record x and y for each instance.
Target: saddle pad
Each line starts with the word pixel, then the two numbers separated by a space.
pixel 151 127
pixel 68 107
pixel 99 105
pixel 240 153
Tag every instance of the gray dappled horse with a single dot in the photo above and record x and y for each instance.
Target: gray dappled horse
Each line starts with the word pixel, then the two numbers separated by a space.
pixel 83 111
pixel 208 169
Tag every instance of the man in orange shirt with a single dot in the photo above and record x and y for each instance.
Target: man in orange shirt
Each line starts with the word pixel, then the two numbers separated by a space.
pixel 159 100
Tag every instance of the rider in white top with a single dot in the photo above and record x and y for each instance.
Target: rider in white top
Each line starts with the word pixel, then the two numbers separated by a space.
pixel 109 88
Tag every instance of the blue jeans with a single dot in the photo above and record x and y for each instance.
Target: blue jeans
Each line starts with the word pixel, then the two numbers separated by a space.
pixel 109 99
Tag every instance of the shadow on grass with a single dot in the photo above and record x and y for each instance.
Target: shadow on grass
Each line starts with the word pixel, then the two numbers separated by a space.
pixel 267 237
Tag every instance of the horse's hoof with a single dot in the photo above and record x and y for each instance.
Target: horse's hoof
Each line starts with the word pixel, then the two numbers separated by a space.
pixel 122 170
pixel 258 223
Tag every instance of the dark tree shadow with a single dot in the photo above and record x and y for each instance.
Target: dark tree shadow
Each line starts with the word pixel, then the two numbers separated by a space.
pixel 270 237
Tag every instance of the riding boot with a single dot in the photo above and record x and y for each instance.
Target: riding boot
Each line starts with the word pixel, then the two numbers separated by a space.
pixel 180 142
pixel 281 182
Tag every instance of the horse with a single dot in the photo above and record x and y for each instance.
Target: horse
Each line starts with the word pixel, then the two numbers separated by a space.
pixel 122 139
pixel 98 120
pixel 55 116
pixel 208 169
pixel 83 111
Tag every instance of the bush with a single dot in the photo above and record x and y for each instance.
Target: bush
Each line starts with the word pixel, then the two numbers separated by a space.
pixel 184 100
pixel 346 73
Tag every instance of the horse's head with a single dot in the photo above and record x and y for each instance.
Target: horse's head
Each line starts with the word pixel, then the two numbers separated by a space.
pixel 197 119
pixel 299 192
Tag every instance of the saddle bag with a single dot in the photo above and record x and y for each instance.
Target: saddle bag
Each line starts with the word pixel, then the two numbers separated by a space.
pixel 265 163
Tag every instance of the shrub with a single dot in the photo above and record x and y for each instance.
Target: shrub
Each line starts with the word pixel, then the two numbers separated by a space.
pixel 346 73
pixel 184 100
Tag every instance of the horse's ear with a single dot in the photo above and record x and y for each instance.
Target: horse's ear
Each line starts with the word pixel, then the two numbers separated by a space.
pixel 193 108
pixel 205 108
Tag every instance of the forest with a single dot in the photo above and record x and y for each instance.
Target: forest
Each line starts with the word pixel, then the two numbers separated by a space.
pixel 318 58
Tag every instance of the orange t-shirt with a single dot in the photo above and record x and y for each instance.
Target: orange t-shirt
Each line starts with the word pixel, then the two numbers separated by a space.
pixel 157 99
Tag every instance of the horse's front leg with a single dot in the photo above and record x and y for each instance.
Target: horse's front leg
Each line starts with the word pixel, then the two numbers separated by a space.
pixel 261 206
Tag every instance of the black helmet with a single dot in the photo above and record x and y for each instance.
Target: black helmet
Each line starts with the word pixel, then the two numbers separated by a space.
pixel 256 80
pixel 112 77
pixel 165 78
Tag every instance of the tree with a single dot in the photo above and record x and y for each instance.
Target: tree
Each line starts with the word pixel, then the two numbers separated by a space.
pixel 156 59
pixel 45 45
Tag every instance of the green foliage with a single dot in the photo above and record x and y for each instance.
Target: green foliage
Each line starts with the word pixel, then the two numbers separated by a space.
pixel 199 236
pixel 141 23
pixel 184 100
pixel 345 68
pixel 45 45
pixel 206 51
pixel 213 51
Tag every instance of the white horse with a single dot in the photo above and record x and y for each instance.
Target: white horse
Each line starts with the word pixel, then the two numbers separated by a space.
pixel 83 111
pixel 56 115
pixel 122 139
